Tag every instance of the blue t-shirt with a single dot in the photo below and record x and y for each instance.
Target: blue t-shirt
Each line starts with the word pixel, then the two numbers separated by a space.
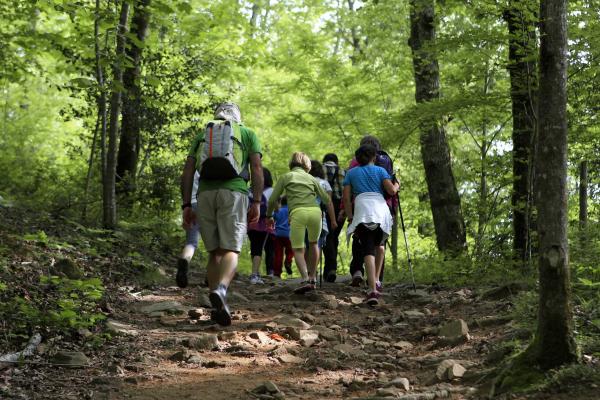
pixel 368 178
pixel 282 224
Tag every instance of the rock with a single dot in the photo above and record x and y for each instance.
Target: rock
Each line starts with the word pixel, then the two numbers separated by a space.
pixel 271 387
pixel 71 359
pixel 180 356
pixel 260 336
pixel 239 297
pixel 388 392
pixel 290 359
pixel 326 333
pixel 196 313
pixel 204 301
pixel 287 321
pixel 225 336
pixel 67 267
pixel 170 307
pixel 504 291
pixel 308 338
pixel 195 359
pixel 356 300
pixel 401 383
pixel 206 341
pixel 455 329
pixel 349 350
pixel 167 321
pixel 403 345
pixel 413 314
pixel 456 371
pixel 449 369
pixel 157 314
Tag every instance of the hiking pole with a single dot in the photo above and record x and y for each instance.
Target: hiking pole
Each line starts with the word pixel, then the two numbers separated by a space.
pixel 321 256
pixel 406 243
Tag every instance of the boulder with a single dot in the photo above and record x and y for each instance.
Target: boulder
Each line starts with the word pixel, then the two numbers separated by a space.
pixel 308 337
pixel 206 341
pixel 290 359
pixel 403 345
pixel 67 267
pixel 455 329
pixel 70 359
pixel 292 322
pixel 401 383
pixel 120 328
pixel 449 369
pixel 170 307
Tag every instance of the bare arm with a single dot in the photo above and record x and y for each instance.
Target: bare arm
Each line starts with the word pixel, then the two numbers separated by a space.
pixel 346 198
pixel 258 182
pixel 187 184
pixel 390 188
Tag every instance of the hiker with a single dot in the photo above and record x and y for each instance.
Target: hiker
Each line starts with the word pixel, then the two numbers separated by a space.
pixel 382 160
pixel 192 235
pixel 316 170
pixel 222 154
pixel 335 176
pixel 302 190
pixel 260 234
pixel 370 220
pixel 283 246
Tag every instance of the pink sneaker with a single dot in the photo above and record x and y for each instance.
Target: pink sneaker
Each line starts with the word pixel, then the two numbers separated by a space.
pixel 379 286
pixel 372 298
pixel 306 287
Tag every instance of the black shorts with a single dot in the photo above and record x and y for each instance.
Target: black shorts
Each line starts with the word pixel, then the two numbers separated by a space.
pixel 370 239
pixel 257 242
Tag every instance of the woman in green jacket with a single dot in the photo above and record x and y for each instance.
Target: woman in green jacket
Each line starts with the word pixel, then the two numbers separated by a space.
pixel 301 190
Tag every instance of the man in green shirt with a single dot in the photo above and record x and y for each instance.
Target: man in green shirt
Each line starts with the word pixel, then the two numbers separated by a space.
pixel 222 211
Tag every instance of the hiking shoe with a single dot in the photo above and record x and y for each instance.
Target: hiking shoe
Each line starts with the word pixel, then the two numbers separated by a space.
pixel 256 280
pixel 357 279
pixel 372 298
pixel 305 287
pixel 220 313
pixel 379 286
pixel 330 277
pixel 288 268
pixel 182 272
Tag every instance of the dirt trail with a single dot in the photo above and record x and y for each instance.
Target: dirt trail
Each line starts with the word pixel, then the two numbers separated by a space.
pixel 323 345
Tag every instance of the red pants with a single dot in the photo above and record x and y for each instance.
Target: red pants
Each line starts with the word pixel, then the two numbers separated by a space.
pixel 282 243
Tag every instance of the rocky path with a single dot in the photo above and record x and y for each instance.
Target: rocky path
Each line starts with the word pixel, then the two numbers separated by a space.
pixel 424 344
pixel 417 345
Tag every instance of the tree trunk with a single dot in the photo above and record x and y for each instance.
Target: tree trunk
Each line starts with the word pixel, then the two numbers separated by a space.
pixel 109 195
pixel 521 20
pixel 129 146
pixel 101 119
pixel 554 336
pixel 445 202
pixel 583 194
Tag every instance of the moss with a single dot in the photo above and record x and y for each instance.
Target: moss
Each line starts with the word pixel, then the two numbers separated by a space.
pixel 520 374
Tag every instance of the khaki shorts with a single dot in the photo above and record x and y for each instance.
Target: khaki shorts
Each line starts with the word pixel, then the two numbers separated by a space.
pixel 221 216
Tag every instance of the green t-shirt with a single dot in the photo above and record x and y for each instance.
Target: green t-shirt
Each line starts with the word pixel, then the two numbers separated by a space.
pixel 250 145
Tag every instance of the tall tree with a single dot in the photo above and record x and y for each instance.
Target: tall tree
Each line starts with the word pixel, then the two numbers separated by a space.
pixel 109 202
pixel 583 194
pixel 129 146
pixel 555 319
pixel 521 18
pixel 554 343
pixel 435 151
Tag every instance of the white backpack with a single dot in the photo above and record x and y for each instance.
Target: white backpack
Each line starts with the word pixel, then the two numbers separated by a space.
pixel 220 155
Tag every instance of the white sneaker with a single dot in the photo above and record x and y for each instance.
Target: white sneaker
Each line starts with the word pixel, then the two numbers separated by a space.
pixel 256 280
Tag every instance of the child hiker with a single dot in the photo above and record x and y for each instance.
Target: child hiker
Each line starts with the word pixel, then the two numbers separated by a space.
pixel 283 246
pixel 370 220
pixel 305 215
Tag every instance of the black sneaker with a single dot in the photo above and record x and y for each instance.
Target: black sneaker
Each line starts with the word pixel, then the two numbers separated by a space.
pixel 288 268
pixel 330 277
pixel 182 272
pixel 220 313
